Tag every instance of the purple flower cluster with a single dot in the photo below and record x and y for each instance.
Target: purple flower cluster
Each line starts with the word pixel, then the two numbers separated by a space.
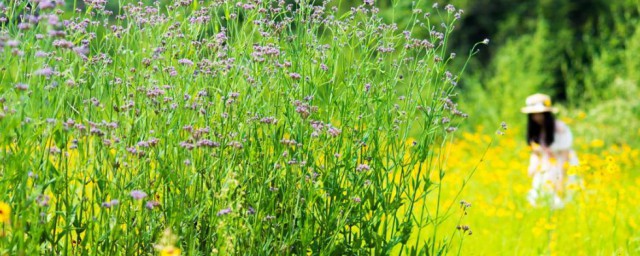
pixel 109 204
pixel 138 194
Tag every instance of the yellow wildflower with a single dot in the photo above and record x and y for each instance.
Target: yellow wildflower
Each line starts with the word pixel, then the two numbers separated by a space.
pixel 573 170
pixel 582 115
pixel 573 186
pixel 597 143
pixel 169 251
pixel 567 120
pixel 5 212
pixel 165 246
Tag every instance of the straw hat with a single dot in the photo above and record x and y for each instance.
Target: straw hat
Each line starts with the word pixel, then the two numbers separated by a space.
pixel 538 103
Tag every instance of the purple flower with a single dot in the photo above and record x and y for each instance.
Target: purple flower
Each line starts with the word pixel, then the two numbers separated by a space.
pixel 111 203
pixel 46 71
pixel 22 87
pixel 54 20
pixel 13 43
pixel 43 200
pixel 143 144
pixel 63 43
pixel 186 62
pixel 363 167
pixel 224 211
pixel 24 26
pixel 151 204
pixel 57 33
pixel 221 37
pixel 40 54
pixel 207 143
pixel 333 132
pixel 268 120
pixel 83 51
pixel 450 8
pixel 295 76
pixel 46 4
pixel 138 194
pixel 54 150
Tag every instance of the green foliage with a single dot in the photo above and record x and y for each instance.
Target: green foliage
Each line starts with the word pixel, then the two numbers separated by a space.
pixel 584 55
pixel 520 68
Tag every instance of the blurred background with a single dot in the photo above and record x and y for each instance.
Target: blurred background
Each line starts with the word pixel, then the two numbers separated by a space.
pixel 584 53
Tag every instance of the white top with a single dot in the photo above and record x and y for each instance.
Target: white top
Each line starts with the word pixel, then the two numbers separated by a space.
pixel 561 148
pixel 563 139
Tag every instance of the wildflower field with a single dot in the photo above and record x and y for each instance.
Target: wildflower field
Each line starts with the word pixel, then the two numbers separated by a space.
pixel 275 128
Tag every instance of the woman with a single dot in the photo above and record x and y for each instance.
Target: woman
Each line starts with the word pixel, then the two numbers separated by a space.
pixel 551 142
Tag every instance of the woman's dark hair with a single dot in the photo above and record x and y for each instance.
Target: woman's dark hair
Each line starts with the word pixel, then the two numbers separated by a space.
pixel 533 129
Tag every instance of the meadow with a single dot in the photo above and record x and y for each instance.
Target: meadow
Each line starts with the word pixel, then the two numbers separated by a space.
pixel 277 128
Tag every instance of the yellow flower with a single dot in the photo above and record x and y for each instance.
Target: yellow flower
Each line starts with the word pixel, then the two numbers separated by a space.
pixel 547 103
pixel 5 212
pixel 550 226
pixel 597 143
pixel 573 170
pixel 169 251
pixel 573 186
pixel 610 159
pixel 581 115
pixel 567 120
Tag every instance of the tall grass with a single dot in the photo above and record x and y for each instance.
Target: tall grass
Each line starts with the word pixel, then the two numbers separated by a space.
pixel 255 127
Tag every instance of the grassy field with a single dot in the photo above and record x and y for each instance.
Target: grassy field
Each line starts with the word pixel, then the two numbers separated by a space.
pixel 268 128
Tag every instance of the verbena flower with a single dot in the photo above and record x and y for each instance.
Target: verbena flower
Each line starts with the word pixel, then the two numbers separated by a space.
pixel 224 212
pixel 151 204
pixel 111 203
pixel 21 87
pixel 138 194
pixel 43 200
